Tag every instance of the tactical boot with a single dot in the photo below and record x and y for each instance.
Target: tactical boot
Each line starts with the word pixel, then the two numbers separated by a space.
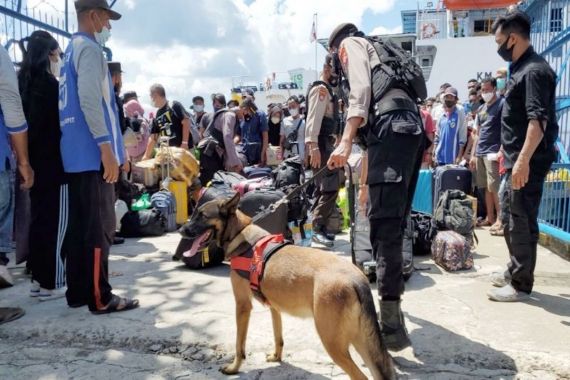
pixel 394 333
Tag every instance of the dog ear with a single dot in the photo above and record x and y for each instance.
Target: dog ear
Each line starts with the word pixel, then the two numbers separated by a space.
pixel 230 205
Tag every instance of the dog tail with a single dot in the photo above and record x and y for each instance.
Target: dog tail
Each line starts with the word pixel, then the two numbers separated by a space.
pixel 369 343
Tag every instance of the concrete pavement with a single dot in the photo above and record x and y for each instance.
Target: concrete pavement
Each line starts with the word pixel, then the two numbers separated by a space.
pixel 185 327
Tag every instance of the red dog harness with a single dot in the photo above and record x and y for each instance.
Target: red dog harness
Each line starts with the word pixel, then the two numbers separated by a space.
pixel 251 264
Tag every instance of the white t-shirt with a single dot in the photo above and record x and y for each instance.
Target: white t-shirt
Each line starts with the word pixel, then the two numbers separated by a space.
pixel 288 126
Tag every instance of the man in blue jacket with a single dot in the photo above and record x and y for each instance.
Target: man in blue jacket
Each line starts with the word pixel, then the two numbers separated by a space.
pixel 92 151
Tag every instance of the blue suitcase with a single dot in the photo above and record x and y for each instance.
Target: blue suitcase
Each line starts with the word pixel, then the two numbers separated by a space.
pixel 451 177
pixel 423 197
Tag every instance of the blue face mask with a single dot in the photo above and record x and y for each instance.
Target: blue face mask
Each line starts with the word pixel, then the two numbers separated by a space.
pixel 501 83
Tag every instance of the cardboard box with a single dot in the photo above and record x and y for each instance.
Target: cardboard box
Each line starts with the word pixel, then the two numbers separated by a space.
pixel 146 172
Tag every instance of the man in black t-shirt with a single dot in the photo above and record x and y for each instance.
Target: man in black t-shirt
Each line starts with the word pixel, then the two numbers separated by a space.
pixel 171 120
pixel 528 136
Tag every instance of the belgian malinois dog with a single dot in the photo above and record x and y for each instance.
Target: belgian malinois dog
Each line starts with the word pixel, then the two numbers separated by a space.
pixel 302 282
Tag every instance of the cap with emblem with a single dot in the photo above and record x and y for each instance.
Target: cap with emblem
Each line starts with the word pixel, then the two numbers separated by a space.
pixel 115 68
pixel 341 32
pixel 85 5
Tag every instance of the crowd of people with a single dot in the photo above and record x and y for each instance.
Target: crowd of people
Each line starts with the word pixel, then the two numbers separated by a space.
pixel 69 132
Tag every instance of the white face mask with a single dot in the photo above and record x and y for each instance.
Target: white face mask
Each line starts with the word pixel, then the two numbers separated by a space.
pixel 487 96
pixel 55 67
pixel 275 119
pixel 199 108
pixel 294 112
pixel 104 35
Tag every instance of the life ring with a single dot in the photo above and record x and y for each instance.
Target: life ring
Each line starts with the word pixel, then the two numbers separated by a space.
pixel 428 30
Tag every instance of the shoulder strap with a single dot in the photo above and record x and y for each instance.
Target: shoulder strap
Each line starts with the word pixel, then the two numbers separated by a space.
pixel 216 114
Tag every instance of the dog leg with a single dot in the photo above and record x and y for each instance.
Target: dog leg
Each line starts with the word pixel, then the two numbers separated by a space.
pixel 278 335
pixel 242 294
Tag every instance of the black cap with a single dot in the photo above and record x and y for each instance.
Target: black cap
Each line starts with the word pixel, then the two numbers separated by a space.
pixel 341 32
pixel 114 67
pixel 130 95
pixel 85 5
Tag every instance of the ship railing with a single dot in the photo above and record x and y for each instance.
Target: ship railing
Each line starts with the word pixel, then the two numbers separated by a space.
pixel 554 212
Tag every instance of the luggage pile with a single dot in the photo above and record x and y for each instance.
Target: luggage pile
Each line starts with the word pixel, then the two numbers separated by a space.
pixel 156 201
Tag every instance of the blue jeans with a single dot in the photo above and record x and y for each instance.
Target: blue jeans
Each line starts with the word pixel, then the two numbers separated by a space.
pixel 7 196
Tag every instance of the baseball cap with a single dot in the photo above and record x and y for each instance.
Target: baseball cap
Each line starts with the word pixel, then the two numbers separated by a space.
pixel 247 91
pixel 85 5
pixel 450 91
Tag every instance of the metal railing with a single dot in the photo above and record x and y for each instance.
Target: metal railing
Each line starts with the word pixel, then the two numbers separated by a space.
pixel 554 214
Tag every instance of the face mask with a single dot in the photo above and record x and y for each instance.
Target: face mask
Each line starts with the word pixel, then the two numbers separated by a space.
pixel 153 103
pixel 275 119
pixel 294 112
pixel 501 83
pixel 506 53
pixel 487 97
pixel 333 81
pixel 450 103
pixel 55 67
pixel 103 36
pixel 199 108
pixel 247 117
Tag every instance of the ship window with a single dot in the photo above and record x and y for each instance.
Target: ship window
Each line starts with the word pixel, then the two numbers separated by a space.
pixel 407 46
pixel 556 20
pixel 425 62
pixel 482 26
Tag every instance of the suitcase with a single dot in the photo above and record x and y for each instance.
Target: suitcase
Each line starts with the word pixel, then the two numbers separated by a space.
pixel 423 197
pixel 252 184
pixel 146 172
pixel 228 178
pixel 180 191
pixel 165 202
pixel 257 201
pixel 252 172
pixel 451 251
pixel 183 166
pixel 450 177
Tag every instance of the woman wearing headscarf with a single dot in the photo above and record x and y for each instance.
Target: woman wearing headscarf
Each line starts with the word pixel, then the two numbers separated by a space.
pixel 39 89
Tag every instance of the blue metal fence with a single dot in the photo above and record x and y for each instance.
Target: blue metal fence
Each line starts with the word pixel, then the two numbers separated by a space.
pixel 550 36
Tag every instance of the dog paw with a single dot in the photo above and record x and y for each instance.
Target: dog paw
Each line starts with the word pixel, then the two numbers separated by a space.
pixel 229 370
pixel 273 358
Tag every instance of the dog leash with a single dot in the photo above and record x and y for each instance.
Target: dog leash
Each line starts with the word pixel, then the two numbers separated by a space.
pixel 271 209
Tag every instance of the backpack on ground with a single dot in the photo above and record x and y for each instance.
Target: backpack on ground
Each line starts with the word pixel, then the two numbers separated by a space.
pixel 143 223
pixel 165 202
pixel 455 212
pixel 227 178
pixel 252 172
pixel 287 177
pixel 451 251
pixel 398 70
pixel 424 233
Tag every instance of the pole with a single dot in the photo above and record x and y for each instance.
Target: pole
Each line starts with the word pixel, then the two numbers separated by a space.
pixel 316 17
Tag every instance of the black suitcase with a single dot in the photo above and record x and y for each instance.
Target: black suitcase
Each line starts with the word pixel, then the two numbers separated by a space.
pixel 256 201
pixel 450 177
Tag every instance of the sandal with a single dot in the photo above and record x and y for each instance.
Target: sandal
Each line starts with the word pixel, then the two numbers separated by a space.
pixel 499 232
pixel 484 223
pixel 113 306
pixel 9 314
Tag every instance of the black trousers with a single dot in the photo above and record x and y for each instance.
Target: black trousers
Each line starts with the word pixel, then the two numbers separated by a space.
pixel 326 186
pixel 395 152
pixel 88 239
pixel 47 233
pixel 521 230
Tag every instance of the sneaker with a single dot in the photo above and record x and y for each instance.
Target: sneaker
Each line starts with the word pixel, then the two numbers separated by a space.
pixel 35 289
pixel 49 295
pixel 499 280
pixel 507 294
pixel 5 277
pixel 320 238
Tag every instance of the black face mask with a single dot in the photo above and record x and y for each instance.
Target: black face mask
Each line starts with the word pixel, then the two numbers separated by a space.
pixel 247 117
pixel 506 53
pixel 450 103
pixel 333 81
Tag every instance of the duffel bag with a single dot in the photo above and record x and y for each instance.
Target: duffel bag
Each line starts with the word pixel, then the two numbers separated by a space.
pixel 143 223
pixel 451 251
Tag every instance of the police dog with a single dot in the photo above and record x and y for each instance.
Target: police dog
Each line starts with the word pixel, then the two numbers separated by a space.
pixel 302 282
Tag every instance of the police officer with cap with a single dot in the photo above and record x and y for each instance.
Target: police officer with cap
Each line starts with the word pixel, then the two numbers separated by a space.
pixel 322 128
pixel 395 138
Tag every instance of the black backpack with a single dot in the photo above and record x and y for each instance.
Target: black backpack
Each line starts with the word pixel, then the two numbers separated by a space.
pixel 288 176
pixel 398 70
pixel 454 212
pixel 143 223
pixel 424 233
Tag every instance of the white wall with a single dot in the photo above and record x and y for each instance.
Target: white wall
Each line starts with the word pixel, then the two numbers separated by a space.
pixel 459 59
